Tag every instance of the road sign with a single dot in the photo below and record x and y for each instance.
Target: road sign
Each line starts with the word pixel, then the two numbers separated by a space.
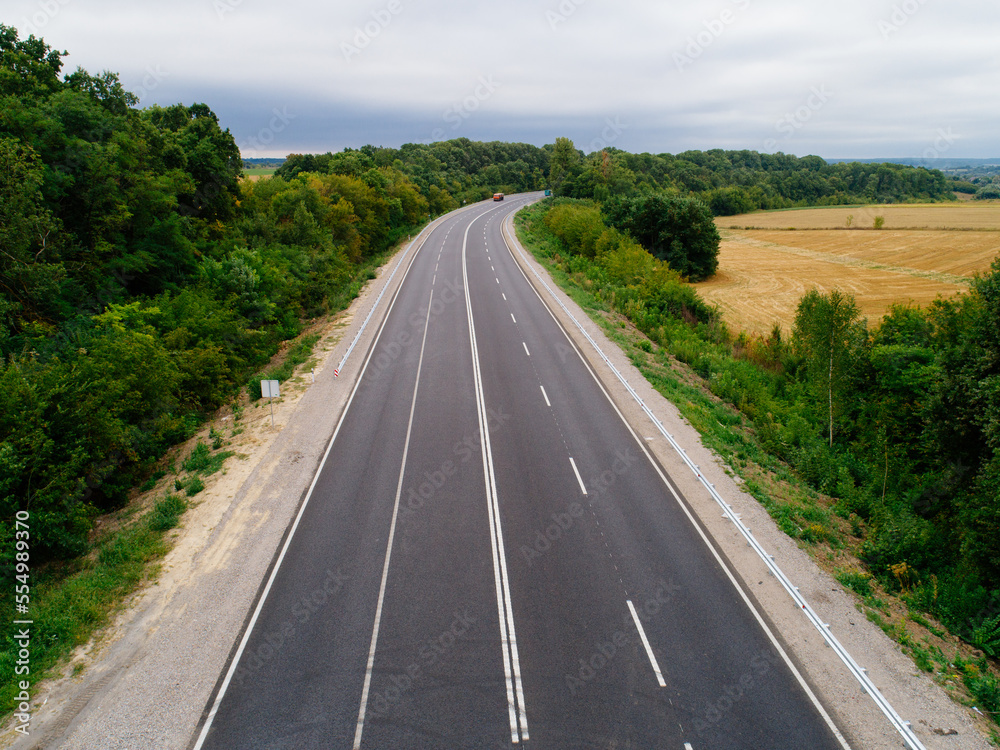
pixel 270 389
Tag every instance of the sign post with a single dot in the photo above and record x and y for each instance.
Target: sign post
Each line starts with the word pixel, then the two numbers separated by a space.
pixel 270 389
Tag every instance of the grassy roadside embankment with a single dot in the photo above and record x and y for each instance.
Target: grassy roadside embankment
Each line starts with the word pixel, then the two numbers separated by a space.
pixel 832 536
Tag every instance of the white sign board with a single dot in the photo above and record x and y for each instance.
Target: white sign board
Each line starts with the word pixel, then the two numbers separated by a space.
pixel 269 389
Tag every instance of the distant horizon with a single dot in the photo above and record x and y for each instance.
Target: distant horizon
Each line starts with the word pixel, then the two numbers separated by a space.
pixel 951 160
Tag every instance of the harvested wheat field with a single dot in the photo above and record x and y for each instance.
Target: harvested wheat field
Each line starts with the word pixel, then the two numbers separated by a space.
pixel 969 215
pixel 763 273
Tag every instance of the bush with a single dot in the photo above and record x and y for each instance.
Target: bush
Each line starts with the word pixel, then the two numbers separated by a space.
pixel 166 513
pixel 680 231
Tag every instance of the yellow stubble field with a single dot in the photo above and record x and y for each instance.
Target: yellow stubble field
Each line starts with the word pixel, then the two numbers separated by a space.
pixel 923 251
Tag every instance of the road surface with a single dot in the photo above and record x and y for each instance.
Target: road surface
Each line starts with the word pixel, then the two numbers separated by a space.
pixel 488 556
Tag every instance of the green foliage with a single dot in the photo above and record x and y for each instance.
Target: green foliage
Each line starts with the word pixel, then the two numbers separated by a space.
pixel 69 605
pixel 741 181
pixel 202 461
pixel 632 281
pixel 677 230
pixel 298 354
pixel 986 636
pixel 141 283
pixel 829 333
pixel 859 583
pixel 578 225
pixel 167 513
pixel 983 685
pixel 730 201
pixel 562 162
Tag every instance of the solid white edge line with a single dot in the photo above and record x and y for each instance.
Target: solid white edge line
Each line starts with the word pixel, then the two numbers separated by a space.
pixel 392 534
pixel 547 402
pixel 579 479
pixel 729 574
pixel 295 524
pixel 645 644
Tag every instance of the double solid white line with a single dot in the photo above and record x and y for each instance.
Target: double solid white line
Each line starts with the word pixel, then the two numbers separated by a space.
pixel 511 662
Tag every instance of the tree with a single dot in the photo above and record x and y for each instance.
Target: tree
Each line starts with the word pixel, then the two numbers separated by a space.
pixel 828 332
pixel 680 231
pixel 564 157
pixel 28 68
pixel 730 202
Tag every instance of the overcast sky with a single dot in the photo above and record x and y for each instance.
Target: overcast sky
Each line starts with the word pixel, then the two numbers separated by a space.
pixel 854 78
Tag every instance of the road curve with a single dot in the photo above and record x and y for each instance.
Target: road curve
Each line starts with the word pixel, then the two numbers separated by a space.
pixel 488 556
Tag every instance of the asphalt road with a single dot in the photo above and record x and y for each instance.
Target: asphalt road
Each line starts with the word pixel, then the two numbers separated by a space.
pixel 489 557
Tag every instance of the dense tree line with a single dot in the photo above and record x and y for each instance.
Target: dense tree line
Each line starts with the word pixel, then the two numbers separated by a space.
pixel 449 173
pixel 142 282
pixel 898 421
pixel 729 182
pixel 733 182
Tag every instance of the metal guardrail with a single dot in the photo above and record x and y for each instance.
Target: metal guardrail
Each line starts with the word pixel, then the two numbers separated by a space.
pixel 901 726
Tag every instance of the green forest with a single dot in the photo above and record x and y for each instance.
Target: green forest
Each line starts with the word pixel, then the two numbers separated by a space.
pixel 144 284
